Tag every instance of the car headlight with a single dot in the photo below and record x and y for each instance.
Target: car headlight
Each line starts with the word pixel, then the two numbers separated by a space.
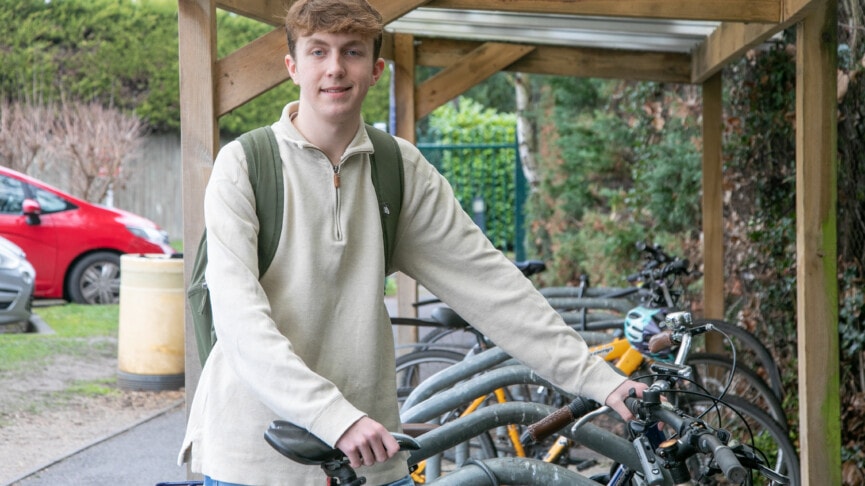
pixel 150 234
pixel 9 258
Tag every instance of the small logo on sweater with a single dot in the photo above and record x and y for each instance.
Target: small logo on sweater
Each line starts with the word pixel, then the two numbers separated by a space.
pixel 385 209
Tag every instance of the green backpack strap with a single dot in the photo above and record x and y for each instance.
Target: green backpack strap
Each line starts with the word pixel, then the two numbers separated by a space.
pixel 265 175
pixel 387 177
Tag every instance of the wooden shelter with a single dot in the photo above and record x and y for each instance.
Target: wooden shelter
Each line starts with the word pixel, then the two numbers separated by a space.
pixel 680 41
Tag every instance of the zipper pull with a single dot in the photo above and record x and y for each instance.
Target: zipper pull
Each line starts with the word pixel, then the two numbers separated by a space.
pixel 336 179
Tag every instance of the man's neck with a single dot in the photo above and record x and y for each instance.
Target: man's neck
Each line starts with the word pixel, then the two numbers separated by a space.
pixel 331 138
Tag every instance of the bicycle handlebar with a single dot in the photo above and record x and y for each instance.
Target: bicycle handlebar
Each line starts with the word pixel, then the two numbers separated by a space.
pixel 557 420
pixel 693 435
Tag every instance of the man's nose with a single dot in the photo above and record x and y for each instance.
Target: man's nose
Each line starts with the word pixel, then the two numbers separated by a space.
pixel 335 66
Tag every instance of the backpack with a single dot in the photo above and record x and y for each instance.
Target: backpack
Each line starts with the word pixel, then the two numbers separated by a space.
pixel 265 175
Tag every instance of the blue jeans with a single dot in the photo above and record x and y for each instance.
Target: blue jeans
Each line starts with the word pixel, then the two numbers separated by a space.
pixel 406 481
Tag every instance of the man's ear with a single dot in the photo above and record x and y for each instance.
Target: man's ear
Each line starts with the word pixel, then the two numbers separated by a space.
pixel 377 70
pixel 291 66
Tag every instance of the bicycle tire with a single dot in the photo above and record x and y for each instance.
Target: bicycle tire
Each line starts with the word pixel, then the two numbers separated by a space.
pixel 411 370
pixel 712 372
pixel 762 354
pixel 414 367
pixel 768 436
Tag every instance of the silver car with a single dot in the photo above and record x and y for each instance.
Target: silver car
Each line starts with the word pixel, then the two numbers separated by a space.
pixel 17 279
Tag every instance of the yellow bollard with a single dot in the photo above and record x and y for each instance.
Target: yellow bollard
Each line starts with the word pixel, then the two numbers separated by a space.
pixel 150 341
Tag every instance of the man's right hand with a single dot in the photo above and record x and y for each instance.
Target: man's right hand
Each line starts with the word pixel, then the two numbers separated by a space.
pixel 367 442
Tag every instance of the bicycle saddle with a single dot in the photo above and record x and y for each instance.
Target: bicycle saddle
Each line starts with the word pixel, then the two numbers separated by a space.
pixel 449 318
pixel 531 267
pixel 300 445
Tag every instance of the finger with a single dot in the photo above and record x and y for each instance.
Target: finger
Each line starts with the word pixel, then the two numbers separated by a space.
pixel 387 447
pixel 367 456
pixel 354 459
pixel 379 451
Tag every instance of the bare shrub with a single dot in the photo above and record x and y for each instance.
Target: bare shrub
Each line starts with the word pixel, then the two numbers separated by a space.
pixel 24 132
pixel 98 142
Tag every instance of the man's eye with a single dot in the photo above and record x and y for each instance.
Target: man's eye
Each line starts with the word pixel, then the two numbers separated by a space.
pixel 354 52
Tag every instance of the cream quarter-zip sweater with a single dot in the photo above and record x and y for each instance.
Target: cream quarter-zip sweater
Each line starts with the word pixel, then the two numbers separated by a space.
pixel 311 340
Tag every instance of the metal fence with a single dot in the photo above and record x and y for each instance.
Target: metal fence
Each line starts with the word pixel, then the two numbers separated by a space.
pixel 488 181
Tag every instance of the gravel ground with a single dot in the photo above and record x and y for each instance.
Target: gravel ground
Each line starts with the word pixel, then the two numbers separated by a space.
pixel 41 420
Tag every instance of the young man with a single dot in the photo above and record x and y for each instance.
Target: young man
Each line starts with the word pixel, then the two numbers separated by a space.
pixel 310 341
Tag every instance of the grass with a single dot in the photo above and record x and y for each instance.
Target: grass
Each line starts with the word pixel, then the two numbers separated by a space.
pixel 92 388
pixel 75 328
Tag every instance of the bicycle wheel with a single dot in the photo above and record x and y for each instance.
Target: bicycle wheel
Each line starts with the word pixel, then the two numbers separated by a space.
pixel 751 426
pixel 748 345
pixel 414 367
pixel 411 370
pixel 712 372
pixel 459 340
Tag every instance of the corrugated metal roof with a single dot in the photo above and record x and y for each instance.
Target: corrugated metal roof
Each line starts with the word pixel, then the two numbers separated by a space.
pixel 561 30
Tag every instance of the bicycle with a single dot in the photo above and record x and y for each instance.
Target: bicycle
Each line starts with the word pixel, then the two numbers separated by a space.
pixel 713 371
pixel 439 395
pixel 659 292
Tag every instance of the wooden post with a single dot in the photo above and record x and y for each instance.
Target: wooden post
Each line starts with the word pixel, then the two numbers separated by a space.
pixel 404 93
pixel 816 243
pixel 713 200
pixel 199 140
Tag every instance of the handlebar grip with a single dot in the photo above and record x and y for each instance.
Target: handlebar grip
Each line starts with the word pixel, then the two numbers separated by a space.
pixel 633 404
pixel 553 422
pixel 724 457
pixel 678 266
pixel 660 341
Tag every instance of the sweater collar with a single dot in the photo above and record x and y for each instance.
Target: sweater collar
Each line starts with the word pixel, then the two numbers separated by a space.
pixel 360 144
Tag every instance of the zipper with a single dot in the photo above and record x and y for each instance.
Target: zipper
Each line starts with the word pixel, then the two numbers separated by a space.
pixel 336 183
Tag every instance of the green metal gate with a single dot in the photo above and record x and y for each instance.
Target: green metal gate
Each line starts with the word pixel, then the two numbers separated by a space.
pixel 489 183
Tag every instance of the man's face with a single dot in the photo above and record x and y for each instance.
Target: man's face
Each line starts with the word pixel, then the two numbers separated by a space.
pixel 334 72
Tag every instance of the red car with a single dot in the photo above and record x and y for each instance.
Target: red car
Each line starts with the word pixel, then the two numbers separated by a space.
pixel 74 245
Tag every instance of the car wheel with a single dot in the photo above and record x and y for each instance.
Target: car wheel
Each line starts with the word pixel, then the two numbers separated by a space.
pixel 95 279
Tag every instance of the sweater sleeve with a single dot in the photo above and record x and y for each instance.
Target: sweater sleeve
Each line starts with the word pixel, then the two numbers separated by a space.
pixel 440 246
pixel 247 337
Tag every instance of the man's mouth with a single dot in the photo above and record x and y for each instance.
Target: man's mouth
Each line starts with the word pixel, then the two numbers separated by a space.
pixel 335 90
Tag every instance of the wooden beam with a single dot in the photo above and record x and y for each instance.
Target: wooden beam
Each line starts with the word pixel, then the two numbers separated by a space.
pixel 199 140
pixel 728 42
pixel 391 10
pixel 669 67
pixel 570 61
pixel 711 10
pixel 731 40
pixel 268 11
pixel 481 63
pixel 713 199
pixel 273 11
pixel 816 246
pixel 251 70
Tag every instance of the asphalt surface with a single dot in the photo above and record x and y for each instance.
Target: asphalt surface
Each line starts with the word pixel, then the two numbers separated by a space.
pixel 145 454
